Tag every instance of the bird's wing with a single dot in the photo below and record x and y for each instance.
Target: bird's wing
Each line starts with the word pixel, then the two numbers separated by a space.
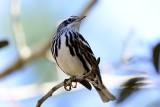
pixel 85 47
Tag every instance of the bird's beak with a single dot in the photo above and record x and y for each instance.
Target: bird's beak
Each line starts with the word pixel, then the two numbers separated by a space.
pixel 81 18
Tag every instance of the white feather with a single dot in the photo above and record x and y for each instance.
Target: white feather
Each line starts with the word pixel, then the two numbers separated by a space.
pixel 69 64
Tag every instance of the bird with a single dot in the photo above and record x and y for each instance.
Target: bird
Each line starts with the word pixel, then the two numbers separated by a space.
pixel 66 49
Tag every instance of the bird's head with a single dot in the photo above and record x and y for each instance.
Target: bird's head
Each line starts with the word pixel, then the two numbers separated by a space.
pixel 72 23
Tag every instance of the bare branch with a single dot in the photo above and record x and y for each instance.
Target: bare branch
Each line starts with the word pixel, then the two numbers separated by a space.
pixel 88 8
pixel 49 94
pixel 17 30
pixel 20 63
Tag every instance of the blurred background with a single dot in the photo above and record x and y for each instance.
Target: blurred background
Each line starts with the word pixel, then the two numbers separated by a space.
pixel 125 34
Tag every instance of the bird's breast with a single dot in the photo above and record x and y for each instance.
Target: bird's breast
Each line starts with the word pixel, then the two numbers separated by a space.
pixel 69 64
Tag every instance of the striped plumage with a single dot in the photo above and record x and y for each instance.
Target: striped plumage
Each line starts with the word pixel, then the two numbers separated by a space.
pixel 69 56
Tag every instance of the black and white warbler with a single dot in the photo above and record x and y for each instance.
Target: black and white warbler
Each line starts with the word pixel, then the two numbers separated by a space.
pixel 71 59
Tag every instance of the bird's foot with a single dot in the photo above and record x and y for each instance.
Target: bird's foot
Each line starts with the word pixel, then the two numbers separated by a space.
pixel 73 80
pixel 67 86
pixel 68 83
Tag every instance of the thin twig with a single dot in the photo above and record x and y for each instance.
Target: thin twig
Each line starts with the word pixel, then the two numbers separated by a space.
pixel 20 63
pixel 88 8
pixel 49 94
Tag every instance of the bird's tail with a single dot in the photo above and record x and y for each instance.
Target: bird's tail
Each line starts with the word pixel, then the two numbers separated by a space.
pixel 105 94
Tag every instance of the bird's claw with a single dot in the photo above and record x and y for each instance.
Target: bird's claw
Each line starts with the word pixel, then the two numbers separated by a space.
pixel 75 85
pixel 68 86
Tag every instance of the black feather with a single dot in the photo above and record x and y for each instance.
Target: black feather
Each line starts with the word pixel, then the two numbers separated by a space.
pixel 86 84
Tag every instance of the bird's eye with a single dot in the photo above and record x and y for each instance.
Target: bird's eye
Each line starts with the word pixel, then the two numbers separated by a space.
pixel 70 20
